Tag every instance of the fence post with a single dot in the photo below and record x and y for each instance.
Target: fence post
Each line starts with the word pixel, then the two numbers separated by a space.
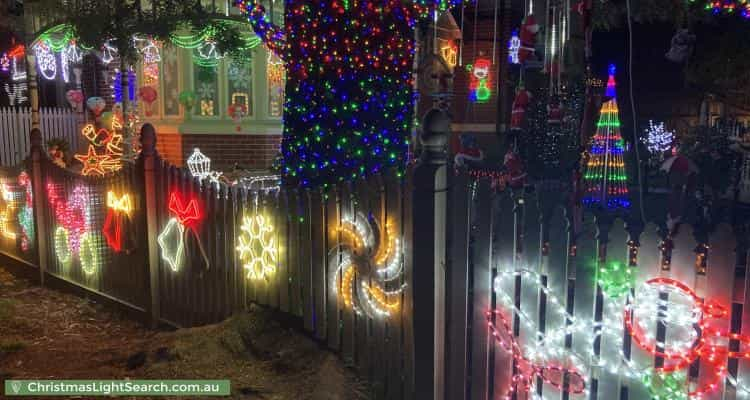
pixel 40 216
pixel 149 157
pixel 430 213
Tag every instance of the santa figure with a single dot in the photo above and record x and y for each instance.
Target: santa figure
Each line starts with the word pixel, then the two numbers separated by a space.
pixel 554 111
pixel 518 110
pixel 469 153
pixel 515 170
pixel 681 172
pixel 529 30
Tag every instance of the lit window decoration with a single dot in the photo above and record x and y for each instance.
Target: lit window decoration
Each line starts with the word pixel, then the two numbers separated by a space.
pixel 151 74
pixel 513 47
pixel 116 86
pixel 449 52
pixel 62 246
pixel 275 72
pixel 45 61
pixel 480 81
pixel 90 253
pixel 257 247
pixel 377 295
pixel 117 229
pixel 174 235
pixel 692 324
pixel 207 108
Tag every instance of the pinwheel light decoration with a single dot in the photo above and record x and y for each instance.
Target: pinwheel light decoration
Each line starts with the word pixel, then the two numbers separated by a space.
pixel 172 239
pixel 368 277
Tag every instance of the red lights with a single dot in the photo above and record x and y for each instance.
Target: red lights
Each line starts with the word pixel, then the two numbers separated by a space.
pixel 187 215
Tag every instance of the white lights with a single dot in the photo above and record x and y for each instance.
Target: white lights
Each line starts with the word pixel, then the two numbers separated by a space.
pixel 45 60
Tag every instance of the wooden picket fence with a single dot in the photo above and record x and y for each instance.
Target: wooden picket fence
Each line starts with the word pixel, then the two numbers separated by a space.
pixel 15 125
pixel 455 236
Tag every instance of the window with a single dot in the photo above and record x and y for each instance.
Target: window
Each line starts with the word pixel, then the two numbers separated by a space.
pixel 206 84
pixel 275 78
pixel 170 81
pixel 240 83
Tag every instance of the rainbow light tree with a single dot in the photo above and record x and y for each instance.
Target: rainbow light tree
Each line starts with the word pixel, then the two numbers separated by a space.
pixel 605 179
pixel 349 98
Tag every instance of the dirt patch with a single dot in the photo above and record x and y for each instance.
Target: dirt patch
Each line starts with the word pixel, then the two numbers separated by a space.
pixel 45 334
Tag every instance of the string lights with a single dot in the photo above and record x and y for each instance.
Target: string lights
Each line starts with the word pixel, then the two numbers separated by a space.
pixel 605 177
pixel 479 86
pixel 90 253
pixel 349 69
pixel 257 247
pixel 45 61
pixel 116 228
pixel 174 235
pixel 95 163
pixel 658 139
pixel 368 295
pixel 692 322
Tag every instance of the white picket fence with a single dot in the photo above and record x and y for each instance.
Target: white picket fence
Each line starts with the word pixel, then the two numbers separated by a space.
pixel 15 127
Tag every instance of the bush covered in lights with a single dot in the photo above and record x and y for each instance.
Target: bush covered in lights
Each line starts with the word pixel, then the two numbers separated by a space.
pixel 349 98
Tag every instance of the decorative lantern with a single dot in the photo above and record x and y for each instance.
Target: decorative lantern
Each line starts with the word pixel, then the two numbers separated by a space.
pixel 198 164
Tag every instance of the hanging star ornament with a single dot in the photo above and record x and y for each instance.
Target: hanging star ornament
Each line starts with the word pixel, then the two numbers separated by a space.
pixel 93 163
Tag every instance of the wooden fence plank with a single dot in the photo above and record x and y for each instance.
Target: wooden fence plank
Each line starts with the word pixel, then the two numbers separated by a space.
pixel 377 197
pixel 481 268
pixel 282 237
pixel 333 256
pixel 394 328
pixel 407 313
pixel 308 302
pixel 294 252
pixel 457 287
pixel 348 329
pixel 318 263
pixel 362 322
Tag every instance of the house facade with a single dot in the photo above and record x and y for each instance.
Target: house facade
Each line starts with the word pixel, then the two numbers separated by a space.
pixel 230 107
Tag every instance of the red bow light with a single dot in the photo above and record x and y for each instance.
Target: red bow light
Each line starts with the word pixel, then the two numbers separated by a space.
pixel 188 214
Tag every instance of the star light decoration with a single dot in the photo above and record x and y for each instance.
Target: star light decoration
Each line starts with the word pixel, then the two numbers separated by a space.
pixel 372 291
pixel 174 235
pixel 95 163
pixel 697 330
pixel 257 246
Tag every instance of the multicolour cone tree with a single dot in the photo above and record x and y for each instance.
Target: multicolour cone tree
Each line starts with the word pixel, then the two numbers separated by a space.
pixel 605 178
pixel 349 99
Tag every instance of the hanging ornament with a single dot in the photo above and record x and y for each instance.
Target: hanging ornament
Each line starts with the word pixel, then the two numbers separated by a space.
pixel 148 95
pixel 75 99
pixel 187 99
pixel 469 154
pixel 515 170
pixel 527 48
pixel 109 52
pixel 520 104
pixel 96 105
pixel 514 47
pixel 237 111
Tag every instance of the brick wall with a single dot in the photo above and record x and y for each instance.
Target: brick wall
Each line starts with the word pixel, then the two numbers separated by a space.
pixel 250 151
